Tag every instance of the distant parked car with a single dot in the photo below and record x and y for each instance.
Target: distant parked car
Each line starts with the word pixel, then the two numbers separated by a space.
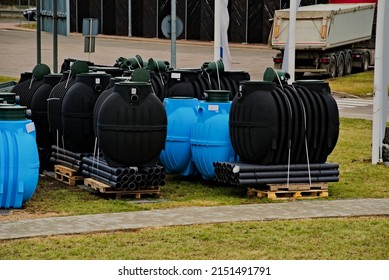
pixel 30 14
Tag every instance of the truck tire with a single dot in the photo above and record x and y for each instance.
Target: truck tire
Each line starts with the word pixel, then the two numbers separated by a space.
pixel 365 62
pixel 332 67
pixel 340 65
pixel 348 64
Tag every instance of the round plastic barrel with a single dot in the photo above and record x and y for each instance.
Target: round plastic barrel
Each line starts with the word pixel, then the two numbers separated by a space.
pixel 177 155
pixel 19 161
pixel 131 125
pixel 210 139
pixel 77 111
pixel 254 122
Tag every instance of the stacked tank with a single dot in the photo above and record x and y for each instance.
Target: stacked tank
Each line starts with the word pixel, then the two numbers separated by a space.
pixel 197 134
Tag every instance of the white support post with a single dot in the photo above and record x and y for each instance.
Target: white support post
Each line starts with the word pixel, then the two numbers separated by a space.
pixel 381 80
pixel 217 31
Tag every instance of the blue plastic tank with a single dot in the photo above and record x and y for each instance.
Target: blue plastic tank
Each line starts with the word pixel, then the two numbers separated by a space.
pixel 19 160
pixel 210 139
pixel 181 116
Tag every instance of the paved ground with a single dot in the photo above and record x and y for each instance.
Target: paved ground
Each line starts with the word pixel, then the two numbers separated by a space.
pixel 193 215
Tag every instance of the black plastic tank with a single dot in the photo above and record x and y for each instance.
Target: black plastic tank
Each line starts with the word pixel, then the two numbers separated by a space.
pixel 27 88
pixel 77 111
pixel 294 124
pixel 132 125
pixel 254 122
pixel 329 118
pixel 100 100
pixel 39 110
pixel 113 71
pixel 54 102
pixel 180 83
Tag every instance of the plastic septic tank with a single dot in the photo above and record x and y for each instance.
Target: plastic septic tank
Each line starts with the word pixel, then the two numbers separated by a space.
pixel 295 124
pixel 19 160
pixel 254 122
pixel 57 94
pixel 27 88
pixel 210 139
pixel 131 125
pixel 176 157
pixel 77 111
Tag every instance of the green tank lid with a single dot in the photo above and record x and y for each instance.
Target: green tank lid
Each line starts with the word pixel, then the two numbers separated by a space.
pixel 79 67
pixel 40 70
pixel 217 95
pixel 11 112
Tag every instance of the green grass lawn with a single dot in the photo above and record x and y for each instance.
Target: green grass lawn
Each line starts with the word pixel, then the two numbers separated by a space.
pixel 333 239
pixel 358 84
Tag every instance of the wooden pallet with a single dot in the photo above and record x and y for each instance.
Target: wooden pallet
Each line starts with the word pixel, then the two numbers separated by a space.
pixel 293 187
pixel 106 189
pixel 67 175
pixel 66 171
pixel 285 193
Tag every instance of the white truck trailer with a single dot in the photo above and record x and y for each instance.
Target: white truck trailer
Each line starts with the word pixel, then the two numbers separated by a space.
pixel 331 39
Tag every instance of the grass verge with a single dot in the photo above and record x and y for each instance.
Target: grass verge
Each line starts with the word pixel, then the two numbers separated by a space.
pixel 332 239
pixel 358 84
pixel 358 179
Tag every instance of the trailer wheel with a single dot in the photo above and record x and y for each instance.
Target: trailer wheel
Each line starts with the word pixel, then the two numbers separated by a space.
pixel 340 65
pixel 332 67
pixel 348 64
pixel 365 62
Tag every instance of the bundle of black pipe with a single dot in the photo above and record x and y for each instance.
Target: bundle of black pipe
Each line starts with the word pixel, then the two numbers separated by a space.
pixel 27 88
pixel 289 124
pixel 238 173
pixel 66 158
pixel 193 83
pixel 136 133
pixel 77 111
pixel 44 137
pixel 123 178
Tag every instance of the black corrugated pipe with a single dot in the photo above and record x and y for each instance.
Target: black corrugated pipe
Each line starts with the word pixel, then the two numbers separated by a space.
pixel 113 184
pixel 101 173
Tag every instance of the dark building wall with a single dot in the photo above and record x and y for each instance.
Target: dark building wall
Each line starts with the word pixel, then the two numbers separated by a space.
pixel 147 16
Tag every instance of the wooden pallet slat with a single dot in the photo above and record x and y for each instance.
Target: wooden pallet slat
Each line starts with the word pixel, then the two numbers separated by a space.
pixel 294 187
pixel 282 194
pixel 65 170
pixel 106 189
pixel 67 175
